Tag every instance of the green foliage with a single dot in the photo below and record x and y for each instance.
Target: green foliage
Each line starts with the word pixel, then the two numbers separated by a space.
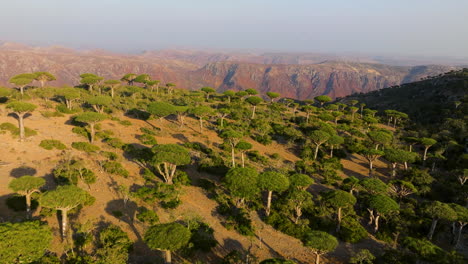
pixel 364 256
pixel 374 186
pixel 161 109
pixel 147 216
pixel 351 230
pixel 21 107
pixel 114 245
pixel 148 139
pixel 170 236
pixel 383 204
pixel 65 197
pixel 300 181
pixel 85 146
pixel 50 144
pixel 273 181
pixel 254 100
pixel 73 170
pixel 277 261
pixel 114 167
pixel 23 242
pixel 320 242
pixel 242 183
pixel 26 184
pixel 170 153
pixel 115 143
pixel 322 99
pixel 90 117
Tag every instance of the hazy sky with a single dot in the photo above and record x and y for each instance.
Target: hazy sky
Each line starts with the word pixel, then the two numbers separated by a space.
pixel 407 27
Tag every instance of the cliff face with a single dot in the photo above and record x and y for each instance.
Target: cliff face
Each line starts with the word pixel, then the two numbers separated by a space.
pixel 300 81
pixel 336 79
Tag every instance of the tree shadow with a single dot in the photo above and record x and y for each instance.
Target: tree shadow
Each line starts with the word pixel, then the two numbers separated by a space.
pixel 124 212
pixel 181 137
pixel 23 171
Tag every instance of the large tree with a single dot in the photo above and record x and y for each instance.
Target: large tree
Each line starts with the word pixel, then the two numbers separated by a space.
pixel 22 80
pixel 21 110
pixel 64 199
pixel 318 137
pixel 167 237
pixel 232 137
pixel 380 138
pixel 201 112
pixel 91 118
pixel 437 211
pixel 272 181
pixel 129 78
pixel 90 80
pixel 208 90
pixel 69 95
pixel 167 157
pixel 243 147
pixel 44 77
pixel 322 99
pixel 24 242
pixel 395 156
pixel 26 186
pixel 380 206
pixel 321 243
pixel 339 200
pixel 113 84
pixel 461 219
pixel 242 183
pixel 371 156
pixel 99 102
pixel 161 109
pixel 254 101
pixel 272 96
pixel 427 143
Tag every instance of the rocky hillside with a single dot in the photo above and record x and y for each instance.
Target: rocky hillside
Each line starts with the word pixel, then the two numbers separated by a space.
pixel 194 70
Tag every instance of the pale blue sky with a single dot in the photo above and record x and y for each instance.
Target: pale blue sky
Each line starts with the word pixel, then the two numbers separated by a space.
pixel 407 27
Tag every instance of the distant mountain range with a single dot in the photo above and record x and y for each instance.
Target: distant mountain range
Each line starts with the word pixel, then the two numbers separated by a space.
pixel 294 75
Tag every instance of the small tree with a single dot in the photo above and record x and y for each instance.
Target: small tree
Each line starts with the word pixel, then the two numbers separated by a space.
pixel 152 84
pixel 24 242
pixel 380 205
pixel 167 237
pixel 251 91
pixel 243 147
pixel 339 200
pixel 272 96
pixel 223 113
pixel 427 143
pixel 374 186
pixel 380 138
pixel 90 80
pixel 229 94
pixel 300 181
pixel 44 77
pixel 208 90
pixel 113 84
pixel 395 156
pixel 461 219
pixel 142 78
pixel 170 87
pixel 254 101
pixel 91 118
pixel 22 80
pixel 308 109
pixel 64 199
pixel 232 137
pixel 69 95
pixel 321 243
pixel 334 141
pixel 438 210
pixel 26 186
pixel 318 137
pixel 242 183
pixel 371 155
pixel 21 109
pixel 201 112
pixel 401 188
pixel 99 102
pixel 272 181
pixel 166 159
pixel 297 200
pixel 322 99
pixel 129 78
pixel 353 111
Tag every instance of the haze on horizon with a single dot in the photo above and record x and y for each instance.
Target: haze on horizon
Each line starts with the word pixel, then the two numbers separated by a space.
pixel 415 28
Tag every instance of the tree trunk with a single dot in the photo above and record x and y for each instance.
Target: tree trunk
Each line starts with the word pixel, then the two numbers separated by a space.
pixel 22 90
pixel 425 153
pixel 394 169
pixel 352 117
pixel 433 226
pixel 167 256
pixel 267 210
pixel 112 92
pixel 316 151
pixel 64 222
pixel 222 121
pixel 243 159
pixel 317 258
pixel 233 157
pixel 42 83
pixel 376 222
pixel 338 227
pixel 21 126
pixel 371 216
pixel 371 167
pixel 307 118
pixel 331 152
pixel 201 124
pixel 92 133
pixel 253 111
pixel 459 233
pixel 406 165
pixel 28 205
